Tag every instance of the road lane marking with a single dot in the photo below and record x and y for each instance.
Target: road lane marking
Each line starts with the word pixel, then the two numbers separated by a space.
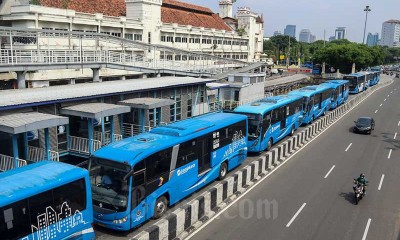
pixel 384 100
pixel 267 175
pixel 380 183
pixel 329 171
pixel 366 229
pixel 395 135
pixel 380 105
pixel 390 153
pixel 388 95
pixel 376 110
pixel 297 213
pixel 391 92
pixel 398 124
pixel 348 147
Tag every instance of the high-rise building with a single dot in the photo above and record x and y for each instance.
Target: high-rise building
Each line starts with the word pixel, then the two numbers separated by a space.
pixel 313 38
pixel 390 35
pixel 372 39
pixel 277 33
pixel 340 33
pixel 290 30
pixel 305 36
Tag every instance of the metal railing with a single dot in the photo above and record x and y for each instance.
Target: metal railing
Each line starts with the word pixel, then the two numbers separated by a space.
pixel 107 137
pixel 39 154
pixel 129 130
pixel 81 145
pixel 7 163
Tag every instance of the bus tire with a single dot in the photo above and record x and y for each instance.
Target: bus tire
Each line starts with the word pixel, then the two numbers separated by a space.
pixel 269 144
pixel 223 171
pixel 292 131
pixel 160 208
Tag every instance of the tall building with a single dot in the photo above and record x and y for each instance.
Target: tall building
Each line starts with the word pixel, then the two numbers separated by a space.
pixel 372 39
pixel 290 30
pixel 340 33
pixel 313 38
pixel 277 33
pixel 305 36
pixel 390 35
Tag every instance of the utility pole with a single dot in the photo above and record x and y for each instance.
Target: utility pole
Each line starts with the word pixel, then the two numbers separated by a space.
pixel 324 37
pixel 366 10
pixel 288 56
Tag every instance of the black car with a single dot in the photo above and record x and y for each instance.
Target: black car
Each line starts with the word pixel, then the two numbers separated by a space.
pixel 364 125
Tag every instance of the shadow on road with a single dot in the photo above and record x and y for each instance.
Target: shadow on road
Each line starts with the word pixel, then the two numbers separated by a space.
pixel 348 196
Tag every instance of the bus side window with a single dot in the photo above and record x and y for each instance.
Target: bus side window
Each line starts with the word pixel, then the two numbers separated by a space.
pixel 70 194
pixel 38 205
pixel 14 220
pixel 138 189
pixel 187 153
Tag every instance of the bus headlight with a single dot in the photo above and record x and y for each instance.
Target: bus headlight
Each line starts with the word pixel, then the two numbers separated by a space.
pixel 121 221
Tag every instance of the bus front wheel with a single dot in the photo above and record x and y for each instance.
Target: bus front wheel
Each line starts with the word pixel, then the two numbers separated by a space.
pixel 292 131
pixel 160 207
pixel 223 170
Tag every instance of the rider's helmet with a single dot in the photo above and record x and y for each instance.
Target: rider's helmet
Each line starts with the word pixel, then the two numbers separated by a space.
pixel 362 175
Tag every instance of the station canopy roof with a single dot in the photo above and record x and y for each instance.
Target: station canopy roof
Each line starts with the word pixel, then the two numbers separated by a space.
pixel 29 121
pixel 146 103
pixel 94 110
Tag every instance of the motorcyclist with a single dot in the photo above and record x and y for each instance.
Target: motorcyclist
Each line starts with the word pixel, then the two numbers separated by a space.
pixel 361 180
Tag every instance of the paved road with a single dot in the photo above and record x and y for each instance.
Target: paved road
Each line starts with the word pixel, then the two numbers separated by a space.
pixel 311 206
pixel 102 233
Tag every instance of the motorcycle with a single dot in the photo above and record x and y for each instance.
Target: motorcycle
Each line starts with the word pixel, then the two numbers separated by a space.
pixel 359 192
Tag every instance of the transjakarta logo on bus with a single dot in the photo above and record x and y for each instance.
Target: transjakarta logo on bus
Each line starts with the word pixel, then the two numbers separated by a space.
pixel 185 170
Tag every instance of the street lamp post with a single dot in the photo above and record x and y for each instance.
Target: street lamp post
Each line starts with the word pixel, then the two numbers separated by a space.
pixel 366 10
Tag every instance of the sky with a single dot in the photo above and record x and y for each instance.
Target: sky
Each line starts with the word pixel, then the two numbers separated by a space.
pixel 318 15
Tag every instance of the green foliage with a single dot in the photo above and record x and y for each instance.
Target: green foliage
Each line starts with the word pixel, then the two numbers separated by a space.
pixel 241 31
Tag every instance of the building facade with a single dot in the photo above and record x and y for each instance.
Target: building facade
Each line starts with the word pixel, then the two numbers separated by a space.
pixel 372 39
pixel 340 33
pixel 277 33
pixel 290 30
pixel 305 36
pixel 165 22
pixel 390 35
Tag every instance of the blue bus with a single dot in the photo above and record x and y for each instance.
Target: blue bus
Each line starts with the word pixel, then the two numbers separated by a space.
pixel 138 178
pixel 356 82
pixel 46 200
pixel 271 119
pixel 340 92
pixel 316 101
pixel 376 78
pixel 369 79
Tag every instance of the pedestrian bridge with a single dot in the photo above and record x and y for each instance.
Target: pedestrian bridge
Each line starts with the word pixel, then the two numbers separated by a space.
pixel 36 49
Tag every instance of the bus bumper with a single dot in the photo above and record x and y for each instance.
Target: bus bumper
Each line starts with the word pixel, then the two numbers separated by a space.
pixel 111 225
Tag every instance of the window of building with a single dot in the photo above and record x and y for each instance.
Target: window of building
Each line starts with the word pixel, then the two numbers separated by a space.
pixel 197 40
pixel 178 57
pixel 163 39
pixel 129 36
pixel 149 37
pixel 178 39
pixel 108 33
pixel 170 39
pixel 191 40
pixel 116 34
pixel 138 37
pixel 184 40
pixel 209 41
pixel 203 41
pixel 189 106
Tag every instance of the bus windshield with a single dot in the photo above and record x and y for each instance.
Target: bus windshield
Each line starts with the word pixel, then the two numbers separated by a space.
pixel 353 81
pixel 109 190
pixel 254 126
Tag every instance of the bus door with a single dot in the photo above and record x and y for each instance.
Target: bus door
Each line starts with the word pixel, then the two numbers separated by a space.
pixel 266 123
pixel 138 198
pixel 284 112
pixel 320 100
pixel 203 151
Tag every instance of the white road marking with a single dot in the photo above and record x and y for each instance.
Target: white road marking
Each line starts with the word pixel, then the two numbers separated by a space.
pixel 329 171
pixel 376 110
pixel 268 174
pixel 380 105
pixel 390 153
pixel 366 229
pixel 388 95
pixel 297 213
pixel 398 124
pixel 395 135
pixel 384 100
pixel 391 92
pixel 348 147
pixel 380 183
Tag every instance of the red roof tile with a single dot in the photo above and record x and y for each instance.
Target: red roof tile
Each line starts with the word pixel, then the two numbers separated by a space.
pixel 171 11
